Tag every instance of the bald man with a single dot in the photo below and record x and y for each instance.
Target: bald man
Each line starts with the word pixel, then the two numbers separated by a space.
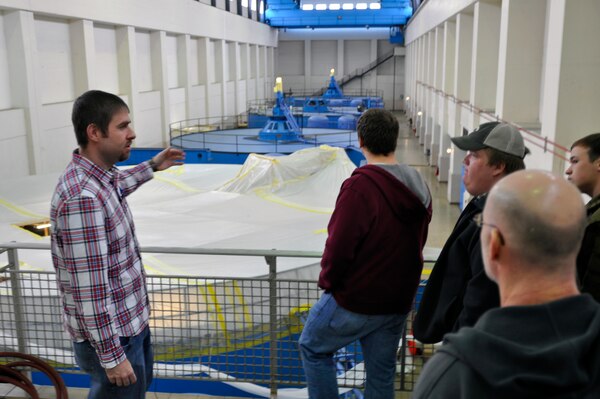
pixel 544 340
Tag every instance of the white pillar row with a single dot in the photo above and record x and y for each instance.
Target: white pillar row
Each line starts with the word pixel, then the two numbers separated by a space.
pixel 81 34
pixel 484 66
pixel 158 40
pixel 183 70
pixel 520 61
pixel 572 64
pixel 204 61
pixel 127 67
pixel 24 81
pixel 448 88
pixel 462 83
pixel 437 97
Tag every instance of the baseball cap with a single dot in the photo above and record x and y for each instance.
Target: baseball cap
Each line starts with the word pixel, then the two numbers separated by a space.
pixel 499 136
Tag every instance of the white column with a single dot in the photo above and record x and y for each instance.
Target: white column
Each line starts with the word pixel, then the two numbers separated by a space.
pixel 461 91
pixel 127 58
pixel 160 79
pixel 484 67
pixel 256 68
pixel 340 69
pixel 235 61
pixel 437 96
pixel 245 64
pixel 571 89
pixel 83 47
pixel 445 104
pixel 307 65
pixel 184 70
pixel 520 61
pixel 204 61
pixel 24 80
pixel 222 64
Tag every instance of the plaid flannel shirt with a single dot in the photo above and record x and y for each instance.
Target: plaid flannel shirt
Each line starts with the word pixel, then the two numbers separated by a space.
pixel 96 256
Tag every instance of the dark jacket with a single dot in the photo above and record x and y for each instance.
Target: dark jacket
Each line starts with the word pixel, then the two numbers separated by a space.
pixel 542 351
pixel 458 291
pixel 588 260
pixel 373 258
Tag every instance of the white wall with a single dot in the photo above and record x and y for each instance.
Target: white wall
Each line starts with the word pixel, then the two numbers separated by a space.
pixel 152 53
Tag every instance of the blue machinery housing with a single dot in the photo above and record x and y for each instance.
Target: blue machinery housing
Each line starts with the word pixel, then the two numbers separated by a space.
pixel 288 14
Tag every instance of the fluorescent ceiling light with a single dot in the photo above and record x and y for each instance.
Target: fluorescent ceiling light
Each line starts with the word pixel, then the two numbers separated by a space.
pixel 334 6
pixel 361 6
pixel 348 6
pixel 375 6
pixel 308 7
pixel 321 7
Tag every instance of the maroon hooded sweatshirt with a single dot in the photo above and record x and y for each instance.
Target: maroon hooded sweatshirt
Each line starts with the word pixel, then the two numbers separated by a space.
pixel 373 255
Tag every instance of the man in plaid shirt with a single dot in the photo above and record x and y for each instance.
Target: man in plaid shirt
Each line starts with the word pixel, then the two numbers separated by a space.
pixel 95 252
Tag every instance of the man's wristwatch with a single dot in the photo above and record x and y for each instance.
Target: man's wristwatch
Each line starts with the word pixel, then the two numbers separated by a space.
pixel 153 164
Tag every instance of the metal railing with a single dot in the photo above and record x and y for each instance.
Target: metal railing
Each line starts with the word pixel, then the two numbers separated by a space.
pixel 234 330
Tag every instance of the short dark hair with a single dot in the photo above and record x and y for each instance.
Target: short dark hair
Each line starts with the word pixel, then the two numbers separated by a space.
pixel 94 107
pixel 512 163
pixel 592 143
pixel 378 130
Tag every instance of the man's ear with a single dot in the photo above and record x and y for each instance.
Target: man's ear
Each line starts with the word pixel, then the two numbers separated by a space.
pixel 360 142
pixel 495 244
pixel 93 132
pixel 499 169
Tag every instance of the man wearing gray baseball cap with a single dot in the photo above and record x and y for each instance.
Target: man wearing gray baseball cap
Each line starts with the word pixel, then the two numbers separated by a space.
pixel 458 291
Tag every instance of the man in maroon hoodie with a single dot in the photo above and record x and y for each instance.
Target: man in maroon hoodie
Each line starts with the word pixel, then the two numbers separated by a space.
pixel 371 265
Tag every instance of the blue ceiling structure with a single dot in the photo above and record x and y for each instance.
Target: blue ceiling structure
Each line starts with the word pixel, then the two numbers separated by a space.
pixel 288 14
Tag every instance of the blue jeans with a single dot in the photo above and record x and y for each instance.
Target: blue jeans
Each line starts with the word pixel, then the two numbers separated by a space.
pixel 330 327
pixel 138 350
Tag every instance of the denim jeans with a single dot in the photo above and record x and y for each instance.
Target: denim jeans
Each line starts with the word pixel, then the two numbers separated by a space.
pixel 330 327
pixel 138 350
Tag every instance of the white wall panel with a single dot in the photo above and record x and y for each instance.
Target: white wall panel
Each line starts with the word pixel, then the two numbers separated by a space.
pixel 107 64
pixel 55 60
pixel 357 54
pixel 144 61
pixel 13 151
pixel 193 62
pixel 57 138
pixel 290 61
pixel 197 100
pixel 13 124
pixel 323 57
pixel 177 103
pixel 173 78
pixel 148 124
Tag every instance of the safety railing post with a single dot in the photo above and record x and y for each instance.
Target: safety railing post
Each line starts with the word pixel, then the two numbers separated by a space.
pixel 403 358
pixel 272 262
pixel 19 311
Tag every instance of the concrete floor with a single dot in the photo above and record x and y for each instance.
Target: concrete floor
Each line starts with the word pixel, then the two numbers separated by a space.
pixel 410 152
